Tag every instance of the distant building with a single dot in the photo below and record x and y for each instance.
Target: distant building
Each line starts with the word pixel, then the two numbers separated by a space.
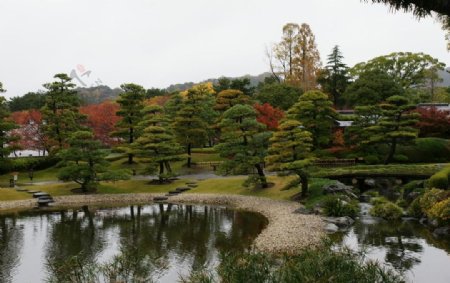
pixel 438 106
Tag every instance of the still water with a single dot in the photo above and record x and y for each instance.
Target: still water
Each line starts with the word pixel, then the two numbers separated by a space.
pixel 167 240
pixel 405 246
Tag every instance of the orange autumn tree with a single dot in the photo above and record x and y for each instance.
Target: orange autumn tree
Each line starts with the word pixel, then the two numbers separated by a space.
pixel 30 130
pixel 102 118
pixel 268 115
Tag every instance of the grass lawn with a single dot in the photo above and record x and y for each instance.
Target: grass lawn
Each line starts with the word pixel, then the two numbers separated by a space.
pixel 11 194
pixel 379 169
pixel 231 185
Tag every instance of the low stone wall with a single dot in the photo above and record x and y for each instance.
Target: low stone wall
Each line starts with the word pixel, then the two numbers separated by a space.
pixel 287 231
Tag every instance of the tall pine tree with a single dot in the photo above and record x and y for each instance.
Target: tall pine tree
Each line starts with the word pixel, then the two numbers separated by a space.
pixel 289 151
pixel 157 145
pixel 60 112
pixel 131 103
pixel 244 142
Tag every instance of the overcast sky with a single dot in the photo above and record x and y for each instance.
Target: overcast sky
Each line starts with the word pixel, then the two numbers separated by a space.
pixel 157 43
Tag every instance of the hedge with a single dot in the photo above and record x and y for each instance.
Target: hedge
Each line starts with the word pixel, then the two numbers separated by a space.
pixel 440 180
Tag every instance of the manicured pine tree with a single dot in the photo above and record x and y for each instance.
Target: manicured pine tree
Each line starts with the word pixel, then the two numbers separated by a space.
pixel 289 151
pixel 83 162
pixel 244 142
pixel 228 98
pixel 365 117
pixel 6 125
pixel 395 126
pixel 315 111
pixel 157 145
pixel 60 112
pixel 131 103
pixel 192 122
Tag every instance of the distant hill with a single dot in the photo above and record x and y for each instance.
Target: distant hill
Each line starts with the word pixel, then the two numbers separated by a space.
pixel 97 94
pixel 254 81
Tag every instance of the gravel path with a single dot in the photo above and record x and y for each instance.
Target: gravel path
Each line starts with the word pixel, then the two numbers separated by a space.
pixel 287 232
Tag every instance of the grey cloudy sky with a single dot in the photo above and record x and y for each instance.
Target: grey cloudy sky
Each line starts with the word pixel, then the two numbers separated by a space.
pixel 157 43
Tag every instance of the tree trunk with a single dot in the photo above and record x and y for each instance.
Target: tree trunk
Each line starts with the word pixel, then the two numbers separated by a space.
pixel 262 176
pixel 167 165
pixel 391 152
pixel 304 179
pixel 189 155
pixel 161 168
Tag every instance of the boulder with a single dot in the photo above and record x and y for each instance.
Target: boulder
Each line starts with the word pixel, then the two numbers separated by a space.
pixel 331 228
pixel 370 182
pixel 339 188
pixel 341 222
pixel 303 210
pixel 442 232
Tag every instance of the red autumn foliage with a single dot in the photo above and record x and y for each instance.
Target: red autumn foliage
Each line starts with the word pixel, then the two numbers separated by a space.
pixel 30 129
pixel 433 123
pixel 268 115
pixel 102 118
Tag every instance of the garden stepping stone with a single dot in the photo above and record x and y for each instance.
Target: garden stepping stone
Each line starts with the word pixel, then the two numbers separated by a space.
pixel 33 192
pixel 182 189
pixel 191 183
pixel 40 194
pixel 160 198
pixel 44 202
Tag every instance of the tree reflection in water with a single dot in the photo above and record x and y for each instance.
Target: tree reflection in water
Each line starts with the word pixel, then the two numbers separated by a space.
pixel 131 244
pixel 402 242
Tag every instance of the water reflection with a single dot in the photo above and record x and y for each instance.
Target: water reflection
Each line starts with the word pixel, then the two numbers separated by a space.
pixel 406 246
pixel 163 240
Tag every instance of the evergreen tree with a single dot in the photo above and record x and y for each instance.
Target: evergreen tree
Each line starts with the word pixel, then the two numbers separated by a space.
pixel 83 162
pixel 395 126
pixel 244 142
pixel 131 103
pixel 334 78
pixel 60 111
pixel 289 151
pixel 192 122
pixel 228 98
pixel 6 125
pixel 365 116
pixel 314 110
pixel 157 144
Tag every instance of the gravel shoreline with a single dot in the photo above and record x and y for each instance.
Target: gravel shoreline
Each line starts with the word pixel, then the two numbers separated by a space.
pixel 287 232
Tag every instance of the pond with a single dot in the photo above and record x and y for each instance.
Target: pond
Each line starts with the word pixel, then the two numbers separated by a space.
pixel 161 241
pixel 405 246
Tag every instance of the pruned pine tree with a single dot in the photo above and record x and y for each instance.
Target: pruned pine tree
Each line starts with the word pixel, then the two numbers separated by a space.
pixel 244 142
pixel 157 146
pixel 228 98
pixel 290 151
pixel 192 122
pixel 60 112
pixel 316 113
pixel 83 161
pixel 396 125
pixel 131 103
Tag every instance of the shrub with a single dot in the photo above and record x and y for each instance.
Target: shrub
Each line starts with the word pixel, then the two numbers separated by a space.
pixel 335 206
pixel 401 158
pixel 427 150
pixel 372 159
pixel 414 209
pixel 431 197
pixel 378 200
pixel 440 180
pixel 441 211
pixel 387 210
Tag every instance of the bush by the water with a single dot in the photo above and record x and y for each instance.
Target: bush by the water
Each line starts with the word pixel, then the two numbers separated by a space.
pixel 440 180
pixel 435 204
pixel 387 210
pixel 336 206
pixel 311 265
